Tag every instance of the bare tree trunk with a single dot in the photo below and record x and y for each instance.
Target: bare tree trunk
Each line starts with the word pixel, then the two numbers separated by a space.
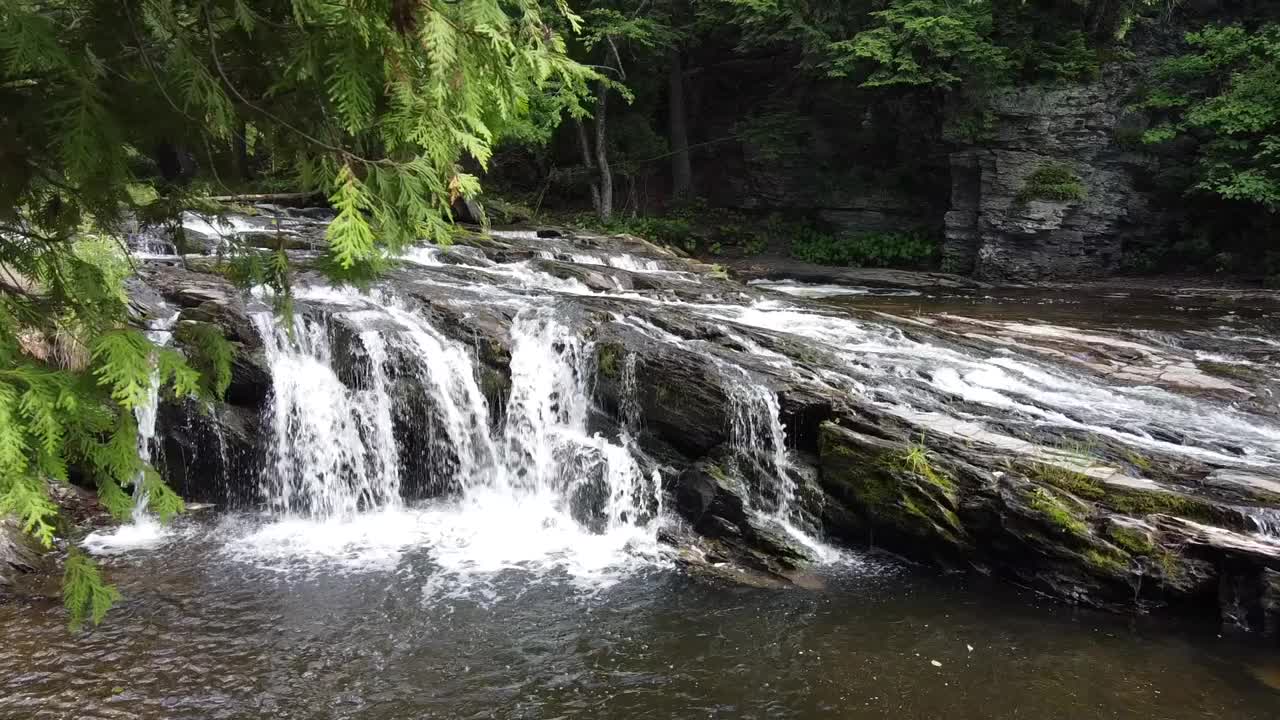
pixel 590 164
pixel 605 209
pixel 241 140
pixel 678 127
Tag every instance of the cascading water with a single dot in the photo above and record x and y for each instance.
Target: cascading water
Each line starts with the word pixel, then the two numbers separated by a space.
pixel 333 451
pixel 377 400
pixel 1265 522
pixel 144 529
pixel 540 490
pixel 759 439
pixel 547 442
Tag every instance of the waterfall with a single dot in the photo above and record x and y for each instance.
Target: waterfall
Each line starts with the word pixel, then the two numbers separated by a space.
pixel 539 488
pixel 758 440
pixel 333 450
pixel 1264 521
pixel 143 530
pixel 448 373
pixel 161 333
pixel 629 397
pixel 546 437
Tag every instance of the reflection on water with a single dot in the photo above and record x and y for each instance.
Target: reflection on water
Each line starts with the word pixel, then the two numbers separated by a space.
pixel 206 633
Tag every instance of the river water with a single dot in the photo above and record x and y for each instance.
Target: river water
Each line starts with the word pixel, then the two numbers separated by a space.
pixel 537 584
pixel 212 630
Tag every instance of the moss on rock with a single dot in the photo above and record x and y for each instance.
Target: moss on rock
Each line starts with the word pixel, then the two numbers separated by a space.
pixel 1131 539
pixel 607 359
pixel 872 478
pixel 1056 512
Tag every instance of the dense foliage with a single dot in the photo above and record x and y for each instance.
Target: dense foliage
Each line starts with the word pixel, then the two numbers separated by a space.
pixel 889 249
pixel 106 111
pixel 1224 94
pixel 1053 181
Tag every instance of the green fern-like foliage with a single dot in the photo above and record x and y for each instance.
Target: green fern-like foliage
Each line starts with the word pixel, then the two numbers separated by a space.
pixel 84 593
pixel 372 102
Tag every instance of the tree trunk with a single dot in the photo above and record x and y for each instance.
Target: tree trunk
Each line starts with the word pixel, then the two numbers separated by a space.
pixel 241 141
pixel 605 209
pixel 589 162
pixel 678 127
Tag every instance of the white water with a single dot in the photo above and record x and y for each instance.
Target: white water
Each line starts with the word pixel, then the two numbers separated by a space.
pixel 1016 390
pixel 819 290
pixel 144 530
pixel 539 493
pixel 1265 521
pixel 334 451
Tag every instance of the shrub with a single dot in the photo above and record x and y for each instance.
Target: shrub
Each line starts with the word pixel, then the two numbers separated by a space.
pixel 1052 181
pixel 883 249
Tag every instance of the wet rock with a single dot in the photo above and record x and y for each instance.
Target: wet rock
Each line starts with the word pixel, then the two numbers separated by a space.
pixel 17 555
pixel 879 496
pixel 715 503
pixel 783 269
pixel 948 482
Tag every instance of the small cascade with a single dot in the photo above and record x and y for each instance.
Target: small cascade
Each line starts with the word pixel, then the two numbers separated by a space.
pixel 759 440
pixel 144 530
pixel 160 332
pixel 537 489
pixel 548 446
pixel 151 243
pixel 1264 522
pixel 334 450
pixel 448 376
pixel 629 400
pixel 631 263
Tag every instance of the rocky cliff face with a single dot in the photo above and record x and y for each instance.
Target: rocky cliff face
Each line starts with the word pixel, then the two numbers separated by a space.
pixel 994 231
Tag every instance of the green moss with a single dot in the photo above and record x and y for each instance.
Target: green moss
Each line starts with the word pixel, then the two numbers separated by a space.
pixel 1127 500
pixel 1076 483
pixel 607 359
pixel 1132 540
pixel 1132 501
pixel 1107 562
pixel 879 489
pixel 1043 502
pixel 915 460
pixel 1138 460
pixel 1227 371
pixel 1054 181
pixel 1170 564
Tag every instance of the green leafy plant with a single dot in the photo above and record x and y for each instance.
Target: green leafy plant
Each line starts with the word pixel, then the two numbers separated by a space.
pixel 1054 181
pixel 911 249
pixel 1224 93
